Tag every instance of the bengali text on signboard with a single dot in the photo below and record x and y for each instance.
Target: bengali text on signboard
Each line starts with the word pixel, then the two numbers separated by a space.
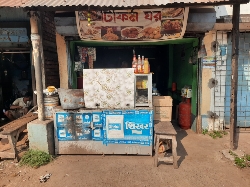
pixel 137 25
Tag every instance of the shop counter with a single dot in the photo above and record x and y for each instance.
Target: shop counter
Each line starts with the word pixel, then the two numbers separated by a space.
pixel 93 131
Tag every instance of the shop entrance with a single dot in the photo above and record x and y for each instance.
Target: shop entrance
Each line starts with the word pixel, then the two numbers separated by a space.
pixel 15 77
pixel 170 63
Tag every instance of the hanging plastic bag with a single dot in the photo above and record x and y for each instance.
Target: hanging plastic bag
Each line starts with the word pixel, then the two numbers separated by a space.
pixel 78 66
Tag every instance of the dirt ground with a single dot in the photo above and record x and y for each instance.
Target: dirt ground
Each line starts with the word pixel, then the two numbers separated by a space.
pixel 200 160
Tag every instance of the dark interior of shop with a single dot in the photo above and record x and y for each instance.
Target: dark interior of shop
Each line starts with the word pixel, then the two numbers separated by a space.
pixel 15 78
pixel 112 57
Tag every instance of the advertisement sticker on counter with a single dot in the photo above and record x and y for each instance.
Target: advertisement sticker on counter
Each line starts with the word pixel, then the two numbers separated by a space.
pixel 138 125
pixel 97 134
pixel 83 132
pixel 140 142
pixel 60 118
pixel 97 119
pixel 64 118
pixel 87 118
pixel 78 118
pixel 129 112
pixel 137 129
pixel 97 124
pixel 83 118
pixel 114 126
pixel 144 112
pixel 65 134
pixel 115 112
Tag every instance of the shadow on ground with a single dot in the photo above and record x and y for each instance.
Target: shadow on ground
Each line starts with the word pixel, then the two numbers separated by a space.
pixel 181 151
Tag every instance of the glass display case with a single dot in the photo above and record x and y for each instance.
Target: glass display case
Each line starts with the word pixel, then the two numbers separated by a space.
pixel 143 90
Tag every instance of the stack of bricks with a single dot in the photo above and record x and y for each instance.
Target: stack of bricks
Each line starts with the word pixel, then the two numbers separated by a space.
pixel 51 66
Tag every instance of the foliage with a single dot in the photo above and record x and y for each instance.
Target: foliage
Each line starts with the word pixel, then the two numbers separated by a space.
pixel 35 158
pixel 232 153
pixel 204 131
pixel 247 157
pixel 214 134
pixel 241 162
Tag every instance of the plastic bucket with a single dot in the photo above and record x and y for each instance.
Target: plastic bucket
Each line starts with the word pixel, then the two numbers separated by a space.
pixel 49 103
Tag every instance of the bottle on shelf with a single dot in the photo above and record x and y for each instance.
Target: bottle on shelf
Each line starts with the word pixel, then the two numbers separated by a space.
pixel 142 64
pixel 139 65
pixel 145 70
pixel 134 64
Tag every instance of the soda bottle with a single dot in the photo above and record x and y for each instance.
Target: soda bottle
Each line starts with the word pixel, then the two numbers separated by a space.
pixel 142 64
pixel 139 65
pixel 134 64
pixel 146 66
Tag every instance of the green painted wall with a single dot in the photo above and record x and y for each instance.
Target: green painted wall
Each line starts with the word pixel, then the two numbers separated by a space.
pixel 184 73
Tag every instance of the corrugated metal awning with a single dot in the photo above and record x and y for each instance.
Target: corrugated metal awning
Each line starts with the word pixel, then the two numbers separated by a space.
pixel 110 3
pixel 11 3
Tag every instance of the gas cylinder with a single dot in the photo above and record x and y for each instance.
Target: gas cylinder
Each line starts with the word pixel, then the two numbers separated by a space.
pixel 185 114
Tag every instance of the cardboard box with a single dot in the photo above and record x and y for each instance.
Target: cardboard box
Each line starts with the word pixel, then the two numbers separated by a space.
pixel 163 113
pixel 162 101
pixel 162 108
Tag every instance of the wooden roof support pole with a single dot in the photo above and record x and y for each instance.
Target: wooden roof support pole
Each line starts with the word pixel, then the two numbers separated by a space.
pixel 35 38
pixel 234 76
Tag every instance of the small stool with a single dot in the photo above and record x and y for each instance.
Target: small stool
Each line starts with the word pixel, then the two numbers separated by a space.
pixel 164 130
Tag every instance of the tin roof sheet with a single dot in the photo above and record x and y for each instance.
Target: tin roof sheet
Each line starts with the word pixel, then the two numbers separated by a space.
pixel 106 3
pixel 11 3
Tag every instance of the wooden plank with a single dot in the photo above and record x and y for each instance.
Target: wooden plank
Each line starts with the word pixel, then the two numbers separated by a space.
pixel 7 155
pixel 164 127
pixel 199 27
pixel 174 152
pixel 228 26
pixel 234 77
pixel 12 142
pixel 3 136
pixel 166 159
pixel 156 151
pixel 17 124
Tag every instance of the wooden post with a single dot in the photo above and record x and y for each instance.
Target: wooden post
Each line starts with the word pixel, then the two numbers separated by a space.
pixel 35 38
pixel 234 76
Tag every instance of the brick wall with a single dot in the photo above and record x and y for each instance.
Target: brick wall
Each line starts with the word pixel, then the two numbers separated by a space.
pixel 51 66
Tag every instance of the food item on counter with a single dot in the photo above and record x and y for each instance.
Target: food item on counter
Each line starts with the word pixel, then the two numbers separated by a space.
pixel 144 84
pixel 172 25
pixel 142 99
pixel 151 33
pixel 139 84
pixel 110 35
pixel 172 12
pixel 130 32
